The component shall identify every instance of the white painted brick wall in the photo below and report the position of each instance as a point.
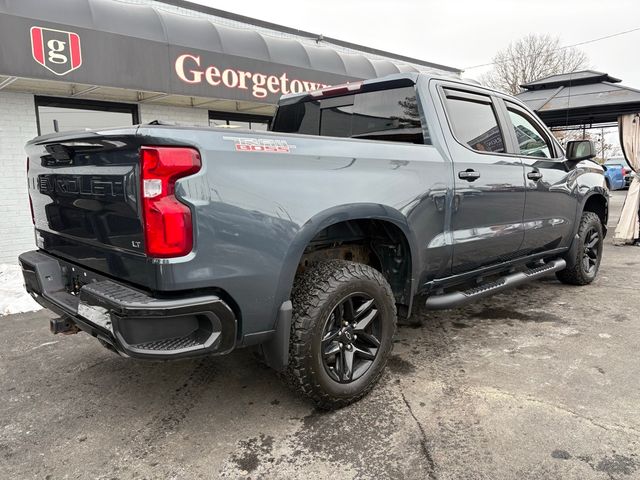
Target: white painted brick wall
(17, 125)
(181, 115)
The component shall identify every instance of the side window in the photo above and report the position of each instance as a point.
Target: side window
(532, 142)
(474, 121)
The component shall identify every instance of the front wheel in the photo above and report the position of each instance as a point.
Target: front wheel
(583, 264)
(344, 319)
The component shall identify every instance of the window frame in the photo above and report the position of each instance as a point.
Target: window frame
(81, 104)
(554, 148)
(471, 95)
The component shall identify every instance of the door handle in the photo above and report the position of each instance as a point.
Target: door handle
(469, 175)
(534, 175)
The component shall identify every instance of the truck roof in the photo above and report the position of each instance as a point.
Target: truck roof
(395, 80)
(388, 81)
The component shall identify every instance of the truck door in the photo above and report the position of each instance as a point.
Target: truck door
(487, 221)
(550, 206)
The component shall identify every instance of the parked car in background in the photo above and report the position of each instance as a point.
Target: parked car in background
(617, 173)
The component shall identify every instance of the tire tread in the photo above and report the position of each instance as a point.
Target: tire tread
(311, 291)
(573, 273)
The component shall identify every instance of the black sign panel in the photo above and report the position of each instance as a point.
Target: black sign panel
(44, 50)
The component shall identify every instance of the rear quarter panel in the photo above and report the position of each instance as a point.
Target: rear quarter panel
(256, 211)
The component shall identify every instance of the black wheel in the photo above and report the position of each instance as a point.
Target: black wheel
(583, 265)
(344, 319)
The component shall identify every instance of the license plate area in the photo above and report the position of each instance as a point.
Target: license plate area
(75, 278)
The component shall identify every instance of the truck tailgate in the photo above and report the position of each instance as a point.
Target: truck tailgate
(84, 190)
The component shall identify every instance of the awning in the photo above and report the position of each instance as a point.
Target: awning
(139, 47)
(580, 98)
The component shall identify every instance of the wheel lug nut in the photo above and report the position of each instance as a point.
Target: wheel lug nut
(355, 337)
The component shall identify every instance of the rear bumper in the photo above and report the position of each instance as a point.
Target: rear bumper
(134, 323)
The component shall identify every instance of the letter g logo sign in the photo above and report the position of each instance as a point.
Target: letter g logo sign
(56, 50)
(54, 47)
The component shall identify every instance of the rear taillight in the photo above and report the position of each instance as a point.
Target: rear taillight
(33, 217)
(167, 222)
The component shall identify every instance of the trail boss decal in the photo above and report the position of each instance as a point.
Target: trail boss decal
(56, 50)
(245, 144)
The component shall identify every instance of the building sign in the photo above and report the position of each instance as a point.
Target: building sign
(56, 50)
(191, 70)
(93, 56)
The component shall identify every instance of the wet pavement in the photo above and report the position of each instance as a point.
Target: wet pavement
(541, 382)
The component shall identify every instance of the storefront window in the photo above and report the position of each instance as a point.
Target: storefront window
(237, 120)
(62, 115)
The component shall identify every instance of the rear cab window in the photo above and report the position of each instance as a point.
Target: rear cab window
(384, 115)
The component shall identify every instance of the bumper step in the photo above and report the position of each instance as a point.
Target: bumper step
(463, 297)
(134, 322)
(169, 344)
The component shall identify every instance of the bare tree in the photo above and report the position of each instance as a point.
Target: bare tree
(531, 58)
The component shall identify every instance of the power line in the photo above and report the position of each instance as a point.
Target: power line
(565, 47)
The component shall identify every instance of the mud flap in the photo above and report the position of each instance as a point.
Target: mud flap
(276, 350)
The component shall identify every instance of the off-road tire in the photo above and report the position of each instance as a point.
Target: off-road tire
(316, 293)
(575, 272)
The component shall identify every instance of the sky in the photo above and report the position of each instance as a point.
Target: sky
(463, 33)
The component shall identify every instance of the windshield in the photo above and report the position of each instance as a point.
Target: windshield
(616, 161)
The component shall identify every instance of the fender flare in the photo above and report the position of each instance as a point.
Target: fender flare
(593, 191)
(332, 216)
(276, 349)
(599, 191)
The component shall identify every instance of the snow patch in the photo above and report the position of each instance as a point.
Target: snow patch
(13, 297)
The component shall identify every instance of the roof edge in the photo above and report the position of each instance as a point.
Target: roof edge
(596, 77)
(303, 33)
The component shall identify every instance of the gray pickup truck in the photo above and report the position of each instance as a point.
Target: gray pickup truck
(309, 241)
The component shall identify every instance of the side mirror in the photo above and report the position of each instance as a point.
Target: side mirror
(580, 150)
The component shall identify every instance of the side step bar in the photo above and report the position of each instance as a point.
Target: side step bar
(460, 298)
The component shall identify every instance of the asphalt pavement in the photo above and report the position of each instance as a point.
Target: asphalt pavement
(542, 382)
